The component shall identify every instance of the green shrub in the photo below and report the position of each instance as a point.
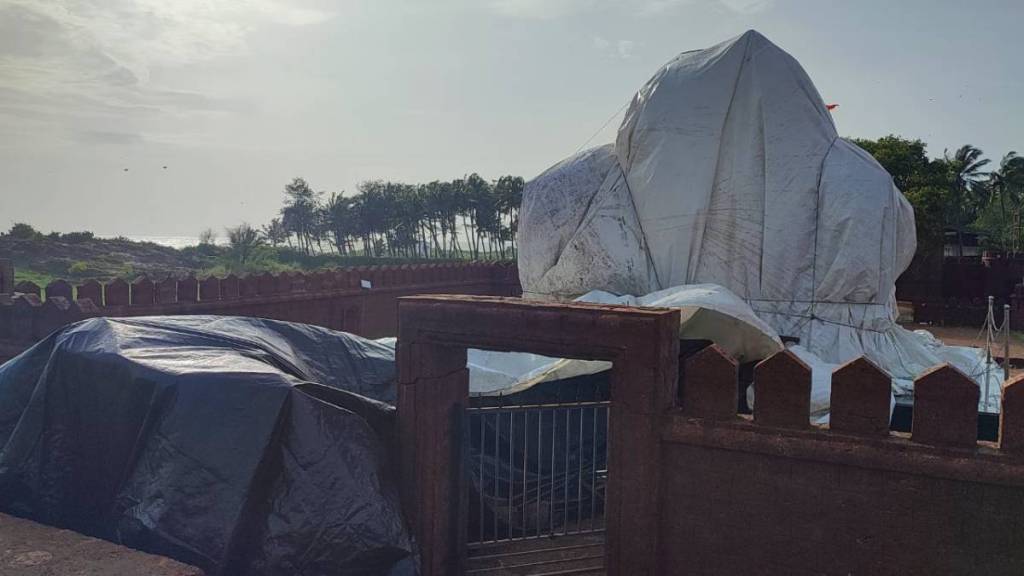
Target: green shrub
(77, 237)
(24, 231)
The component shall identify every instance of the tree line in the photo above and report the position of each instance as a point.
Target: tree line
(462, 218)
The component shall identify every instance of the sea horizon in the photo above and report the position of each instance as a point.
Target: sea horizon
(177, 242)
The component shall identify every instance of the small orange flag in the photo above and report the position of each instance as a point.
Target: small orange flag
(831, 107)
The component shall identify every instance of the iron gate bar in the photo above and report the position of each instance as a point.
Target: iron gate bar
(498, 490)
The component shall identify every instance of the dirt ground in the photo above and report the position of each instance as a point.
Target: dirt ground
(967, 336)
(31, 549)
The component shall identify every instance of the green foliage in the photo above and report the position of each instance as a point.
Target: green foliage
(929, 204)
(78, 268)
(906, 160)
(1001, 220)
(40, 279)
(245, 248)
(77, 237)
(24, 231)
(468, 217)
(201, 251)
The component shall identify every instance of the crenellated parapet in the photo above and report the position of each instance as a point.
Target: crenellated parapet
(358, 299)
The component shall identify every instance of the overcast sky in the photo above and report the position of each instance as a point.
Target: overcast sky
(238, 96)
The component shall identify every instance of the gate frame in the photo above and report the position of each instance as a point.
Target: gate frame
(433, 390)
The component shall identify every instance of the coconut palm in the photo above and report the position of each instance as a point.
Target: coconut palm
(966, 174)
(1007, 184)
(243, 242)
(509, 192)
(274, 232)
(339, 217)
(299, 215)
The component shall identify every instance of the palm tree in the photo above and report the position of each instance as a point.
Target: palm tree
(509, 192)
(275, 233)
(965, 167)
(243, 241)
(432, 198)
(339, 218)
(1007, 183)
(299, 216)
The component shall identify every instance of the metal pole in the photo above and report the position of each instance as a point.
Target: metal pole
(551, 498)
(989, 321)
(480, 474)
(526, 452)
(511, 468)
(593, 468)
(1006, 342)
(497, 458)
(579, 477)
(540, 467)
(565, 480)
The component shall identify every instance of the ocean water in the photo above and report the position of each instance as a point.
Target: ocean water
(172, 241)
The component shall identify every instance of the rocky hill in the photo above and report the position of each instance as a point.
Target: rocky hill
(79, 256)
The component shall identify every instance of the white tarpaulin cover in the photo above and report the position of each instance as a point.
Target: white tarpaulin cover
(707, 312)
(728, 170)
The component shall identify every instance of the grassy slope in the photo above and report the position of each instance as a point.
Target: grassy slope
(44, 259)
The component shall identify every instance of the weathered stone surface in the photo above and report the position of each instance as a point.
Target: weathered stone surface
(92, 290)
(1011, 417)
(117, 293)
(230, 287)
(248, 286)
(25, 287)
(332, 299)
(945, 408)
(53, 314)
(434, 332)
(24, 313)
(167, 290)
(209, 289)
(59, 288)
(31, 549)
(143, 292)
(6, 276)
(709, 387)
(782, 391)
(188, 289)
(860, 399)
(266, 283)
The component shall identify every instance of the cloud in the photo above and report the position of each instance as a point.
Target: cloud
(655, 7)
(625, 48)
(139, 34)
(89, 60)
(105, 137)
(746, 6)
(621, 48)
(540, 9)
(553, 9)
